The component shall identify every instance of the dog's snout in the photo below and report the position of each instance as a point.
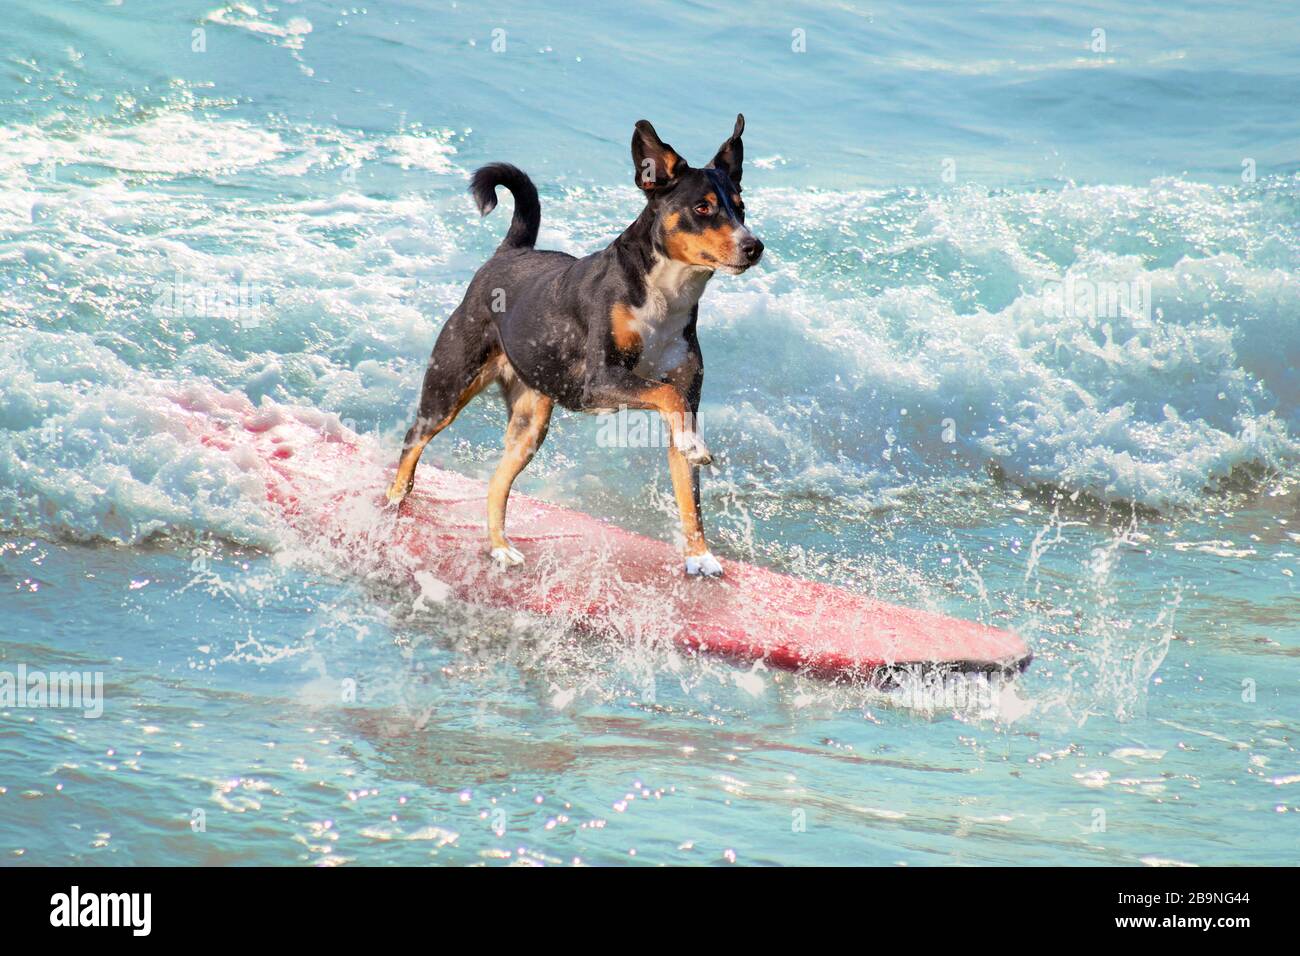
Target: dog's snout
(751, 249)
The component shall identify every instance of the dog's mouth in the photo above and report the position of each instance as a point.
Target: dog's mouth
(748, 252)
(737, 266)
(732, 267)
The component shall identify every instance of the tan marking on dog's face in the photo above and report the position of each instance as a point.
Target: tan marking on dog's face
(709, 247)
(622, 328)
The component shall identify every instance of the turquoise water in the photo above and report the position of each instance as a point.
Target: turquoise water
(911, 398)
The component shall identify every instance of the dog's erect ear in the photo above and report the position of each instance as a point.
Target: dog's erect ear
(657, 163)
(732, 153)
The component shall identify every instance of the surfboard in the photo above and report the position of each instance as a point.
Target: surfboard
(326, 484)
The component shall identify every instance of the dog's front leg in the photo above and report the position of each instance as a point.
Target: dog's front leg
(614, 386)
(688, 378)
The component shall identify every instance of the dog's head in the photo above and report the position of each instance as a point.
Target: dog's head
(699, 215)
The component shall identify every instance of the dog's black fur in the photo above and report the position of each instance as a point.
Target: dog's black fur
(614, 329)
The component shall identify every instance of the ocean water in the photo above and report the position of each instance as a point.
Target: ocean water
(1024, 348)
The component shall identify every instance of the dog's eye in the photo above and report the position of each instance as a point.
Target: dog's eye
(703, 208)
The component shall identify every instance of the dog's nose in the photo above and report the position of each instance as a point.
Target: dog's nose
(751, 249)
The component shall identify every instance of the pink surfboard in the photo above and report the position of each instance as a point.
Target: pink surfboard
(327, 484)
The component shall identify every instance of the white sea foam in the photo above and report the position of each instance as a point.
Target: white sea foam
(242, 16)
(91, 450)
(430, 150)
(174, 142)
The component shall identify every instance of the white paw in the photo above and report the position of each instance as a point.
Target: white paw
(705, 565)
(692, 446)
(507, 557)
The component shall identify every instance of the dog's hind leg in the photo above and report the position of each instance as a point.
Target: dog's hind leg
(466, 359)
(530, 417)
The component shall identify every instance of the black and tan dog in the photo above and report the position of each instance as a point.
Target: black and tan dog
(614, 329)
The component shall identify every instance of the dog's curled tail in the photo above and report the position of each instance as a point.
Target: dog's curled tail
(528, 210)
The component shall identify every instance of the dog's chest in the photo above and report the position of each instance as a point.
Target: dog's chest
(672, 292)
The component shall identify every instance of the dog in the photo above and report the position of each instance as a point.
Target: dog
(616, 329)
